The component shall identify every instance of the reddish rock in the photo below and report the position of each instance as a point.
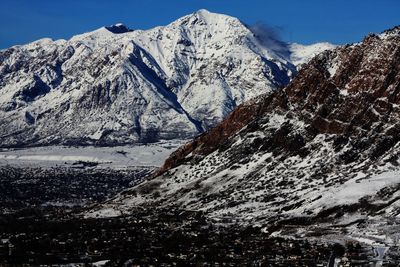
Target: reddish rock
(353, 91)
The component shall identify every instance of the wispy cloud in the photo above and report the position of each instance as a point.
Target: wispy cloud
(270, 37)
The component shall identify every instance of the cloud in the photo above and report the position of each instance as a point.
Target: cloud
(269, 37)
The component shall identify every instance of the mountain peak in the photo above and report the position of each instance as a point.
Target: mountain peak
(207, 17)
(118, 28)
(190, 71)
(203, 12)
(391, 32)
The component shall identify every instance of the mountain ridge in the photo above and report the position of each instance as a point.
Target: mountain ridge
(321, 154)
(134, 86)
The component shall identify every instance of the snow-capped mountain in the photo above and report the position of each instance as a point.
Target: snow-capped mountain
(322, 154)
(115, 85)
(302, 54)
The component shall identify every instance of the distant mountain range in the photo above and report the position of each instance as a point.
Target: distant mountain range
(117, 86)
(318, 158)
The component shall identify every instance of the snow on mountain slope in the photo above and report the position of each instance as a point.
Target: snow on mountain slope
(117, 86)
(322, 154)
(301, 54)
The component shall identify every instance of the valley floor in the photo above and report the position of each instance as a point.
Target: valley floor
(115, 157)
(165, 238)
(41, 224)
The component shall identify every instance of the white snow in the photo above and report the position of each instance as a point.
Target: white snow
(353, 190)
(332, 69)
(100, 263)
(301, 54)
(197, 68)
(151, 155)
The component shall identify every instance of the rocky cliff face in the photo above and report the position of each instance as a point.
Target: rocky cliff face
(115, 85)
(322, 153)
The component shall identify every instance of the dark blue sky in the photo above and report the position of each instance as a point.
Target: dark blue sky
(304, 21)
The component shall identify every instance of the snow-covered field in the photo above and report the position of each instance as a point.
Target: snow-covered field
(119, 157)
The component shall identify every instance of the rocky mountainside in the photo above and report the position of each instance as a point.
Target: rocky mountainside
(116, 85)
(322, 154)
